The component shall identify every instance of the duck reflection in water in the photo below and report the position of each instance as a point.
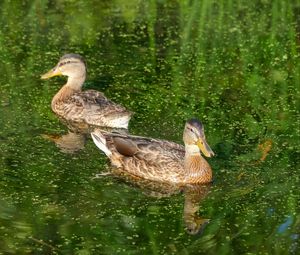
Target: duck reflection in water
(69, 143)
(76, 137)
(161, 161)
(194, 194)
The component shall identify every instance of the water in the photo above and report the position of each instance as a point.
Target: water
(233, 64)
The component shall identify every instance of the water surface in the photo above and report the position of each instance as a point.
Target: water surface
(232, 64)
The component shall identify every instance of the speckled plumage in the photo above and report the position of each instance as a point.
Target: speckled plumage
(90, 106)
(153, 159)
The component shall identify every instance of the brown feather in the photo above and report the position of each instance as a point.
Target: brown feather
(90, 106)
(157, 160)
(125, 147)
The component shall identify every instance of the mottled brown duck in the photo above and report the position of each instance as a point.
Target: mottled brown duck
(90, 107)
(160, 160)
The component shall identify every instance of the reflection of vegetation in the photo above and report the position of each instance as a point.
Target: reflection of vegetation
(234, 64)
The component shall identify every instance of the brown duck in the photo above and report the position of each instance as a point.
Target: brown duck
(90, 107)
(160, 160)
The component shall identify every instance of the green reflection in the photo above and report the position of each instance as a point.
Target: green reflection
(234, 64)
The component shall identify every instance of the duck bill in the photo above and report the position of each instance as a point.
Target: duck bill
(53, 72)
(204, 147)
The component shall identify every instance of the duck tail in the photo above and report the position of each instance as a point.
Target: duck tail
(100, 142)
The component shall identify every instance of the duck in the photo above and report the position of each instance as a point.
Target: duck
(160, 160)
(90, 107)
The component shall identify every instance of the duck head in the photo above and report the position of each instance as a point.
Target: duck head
(194, 138)
(71, 65)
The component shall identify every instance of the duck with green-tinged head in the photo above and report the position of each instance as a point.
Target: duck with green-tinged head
(90, 107)
(160, 160)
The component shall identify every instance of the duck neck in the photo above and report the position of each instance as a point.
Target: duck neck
(76, 82)
(196, 167)
(73, 85)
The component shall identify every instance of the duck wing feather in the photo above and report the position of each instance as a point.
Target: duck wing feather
(93, 107)
(153, 151)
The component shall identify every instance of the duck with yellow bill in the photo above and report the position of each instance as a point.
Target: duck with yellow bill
(90, 107)
(160, 160)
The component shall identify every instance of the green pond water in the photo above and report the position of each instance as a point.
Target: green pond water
(233, 64)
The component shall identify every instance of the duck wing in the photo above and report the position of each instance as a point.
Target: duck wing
(93, 101)
(94, 108)
(147, 149)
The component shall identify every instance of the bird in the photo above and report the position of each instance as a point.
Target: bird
(159, 160)
(89, 107)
